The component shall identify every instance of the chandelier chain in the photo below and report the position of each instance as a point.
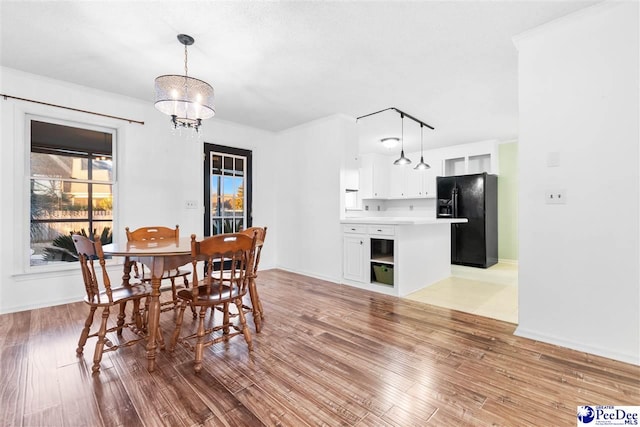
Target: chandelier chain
(185, 61)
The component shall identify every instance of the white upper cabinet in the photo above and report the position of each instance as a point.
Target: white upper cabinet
(374, 176)
(407, 183)
(381, 179)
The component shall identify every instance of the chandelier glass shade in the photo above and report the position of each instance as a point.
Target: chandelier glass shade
(186, 99)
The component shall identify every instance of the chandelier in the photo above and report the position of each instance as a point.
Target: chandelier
(187, 100)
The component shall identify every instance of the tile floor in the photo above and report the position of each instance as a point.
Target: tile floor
(491, 292)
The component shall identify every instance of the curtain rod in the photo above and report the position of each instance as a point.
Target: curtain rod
(402, 113)
(72, 109)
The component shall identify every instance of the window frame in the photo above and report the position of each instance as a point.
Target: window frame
(113, 130)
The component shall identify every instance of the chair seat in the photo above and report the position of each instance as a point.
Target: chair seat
(120, 294)
(214, 296)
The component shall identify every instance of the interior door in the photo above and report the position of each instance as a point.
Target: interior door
(227, 188)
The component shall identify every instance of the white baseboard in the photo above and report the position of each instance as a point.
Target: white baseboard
(508, 261)
(40, 304)
(310, 274)
(634, 359)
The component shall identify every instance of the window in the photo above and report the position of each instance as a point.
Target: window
(71, 188)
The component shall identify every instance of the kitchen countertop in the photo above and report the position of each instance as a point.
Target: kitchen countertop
(406, 220)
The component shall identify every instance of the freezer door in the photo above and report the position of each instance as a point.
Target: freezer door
(470, 196)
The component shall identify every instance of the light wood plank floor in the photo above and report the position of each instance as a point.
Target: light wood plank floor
(490, 292)
(328, 355)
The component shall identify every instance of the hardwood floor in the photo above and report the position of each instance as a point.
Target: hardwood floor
(327, 355)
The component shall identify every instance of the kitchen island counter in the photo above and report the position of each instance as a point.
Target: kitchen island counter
(402, 220)
(396, 255)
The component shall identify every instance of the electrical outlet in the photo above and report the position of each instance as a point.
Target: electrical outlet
(556, 197)
(191, 204)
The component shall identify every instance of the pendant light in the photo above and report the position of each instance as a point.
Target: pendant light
(187, 100)
(422, 165)
(402, 160)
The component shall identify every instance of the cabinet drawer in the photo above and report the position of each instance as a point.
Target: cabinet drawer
(382, 230)
(355, 228)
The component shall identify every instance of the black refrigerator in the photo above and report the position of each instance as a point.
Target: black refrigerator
(475, 197)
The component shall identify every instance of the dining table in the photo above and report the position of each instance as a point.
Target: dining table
(159, 256)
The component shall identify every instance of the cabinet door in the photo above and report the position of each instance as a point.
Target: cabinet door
(414, 183)
(354, 258)
(397, 181)
(365, 173)
(380, 176)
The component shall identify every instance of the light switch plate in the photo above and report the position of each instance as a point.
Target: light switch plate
(191, 204)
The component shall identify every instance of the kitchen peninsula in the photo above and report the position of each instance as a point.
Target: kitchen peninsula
(396, 255)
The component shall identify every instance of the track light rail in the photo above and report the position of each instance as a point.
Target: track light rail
(402, 114)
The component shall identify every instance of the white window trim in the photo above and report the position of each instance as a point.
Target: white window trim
(22, 201)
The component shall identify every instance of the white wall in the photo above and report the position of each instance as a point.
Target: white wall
(156, 172)
(579, 262)
(310, 197)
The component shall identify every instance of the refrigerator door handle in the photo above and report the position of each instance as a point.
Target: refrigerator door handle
(454, 202)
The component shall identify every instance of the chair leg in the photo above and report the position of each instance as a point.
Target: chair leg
(121, 317)
(255, 305)
(145, 315)
(186, 285)
(85, 331)
(136, 317)
(199, 350)
(243, 323)
(176, 331)
(97, 357)
(174, 292)
(225, 318)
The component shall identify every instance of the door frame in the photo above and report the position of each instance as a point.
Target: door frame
(208, 149)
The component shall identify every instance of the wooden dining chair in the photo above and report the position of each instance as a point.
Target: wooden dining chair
(100, 293)
(238, 251)
(256, 304)
(159, 233)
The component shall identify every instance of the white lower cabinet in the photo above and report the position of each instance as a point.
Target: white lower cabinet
(368, 255)
(396, 258)
(355, 257)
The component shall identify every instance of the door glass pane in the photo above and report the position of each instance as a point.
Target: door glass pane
(227, 193)
(216, 164)
(228, 165)
(216, 226)
(239, 166)
(215, 196)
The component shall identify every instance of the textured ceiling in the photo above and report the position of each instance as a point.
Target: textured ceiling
(275, 65)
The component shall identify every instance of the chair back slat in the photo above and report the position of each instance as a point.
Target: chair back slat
(88, 252)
